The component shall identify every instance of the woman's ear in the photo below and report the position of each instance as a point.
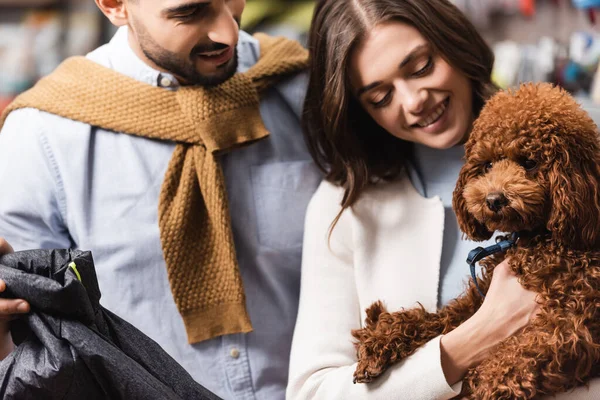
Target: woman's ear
(466, 221)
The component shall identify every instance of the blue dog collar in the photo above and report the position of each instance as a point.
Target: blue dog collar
(479, 253)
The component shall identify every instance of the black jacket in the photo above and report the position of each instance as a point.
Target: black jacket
(70, 347)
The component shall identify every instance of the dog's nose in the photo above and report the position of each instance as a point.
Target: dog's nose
(495, 201)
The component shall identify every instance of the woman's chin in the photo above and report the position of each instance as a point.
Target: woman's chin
(443, 141)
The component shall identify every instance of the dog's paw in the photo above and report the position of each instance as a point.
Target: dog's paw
(366, 372)
(373, 360)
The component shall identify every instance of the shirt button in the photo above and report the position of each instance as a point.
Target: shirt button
(234, 353)
(165, 82)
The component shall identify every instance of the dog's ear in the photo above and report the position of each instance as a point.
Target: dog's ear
(574, 186)
(466, 221)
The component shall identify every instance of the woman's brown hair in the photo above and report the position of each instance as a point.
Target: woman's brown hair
(344, 140)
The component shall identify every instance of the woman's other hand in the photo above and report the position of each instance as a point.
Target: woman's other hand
(507, 308)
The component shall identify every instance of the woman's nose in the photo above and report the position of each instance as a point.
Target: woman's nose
(413, 99)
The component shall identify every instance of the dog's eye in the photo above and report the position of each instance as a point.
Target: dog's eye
(528, 164)
(487, 166)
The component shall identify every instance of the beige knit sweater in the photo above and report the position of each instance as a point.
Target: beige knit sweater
(194, 220)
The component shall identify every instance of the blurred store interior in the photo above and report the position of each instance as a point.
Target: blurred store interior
(534, 40)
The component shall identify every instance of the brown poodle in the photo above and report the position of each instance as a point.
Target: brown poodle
(532, 167)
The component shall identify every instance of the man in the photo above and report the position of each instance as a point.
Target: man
(68, 183)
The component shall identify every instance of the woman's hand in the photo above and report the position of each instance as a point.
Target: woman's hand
(507, 308)
(9, 309)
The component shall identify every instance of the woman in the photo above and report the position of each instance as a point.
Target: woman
(395, 86)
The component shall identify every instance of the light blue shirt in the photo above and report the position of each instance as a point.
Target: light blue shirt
(438, 172)
(67, 184)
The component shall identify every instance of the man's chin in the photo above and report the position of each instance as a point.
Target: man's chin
(220, 77)
(215, 76)
(208, 80)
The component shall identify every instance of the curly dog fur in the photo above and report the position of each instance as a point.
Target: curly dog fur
(533, 167)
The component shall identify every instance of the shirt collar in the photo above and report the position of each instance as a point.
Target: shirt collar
(125, 61)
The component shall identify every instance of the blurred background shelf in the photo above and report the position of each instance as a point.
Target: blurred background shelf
(29, 3)
(551, 40)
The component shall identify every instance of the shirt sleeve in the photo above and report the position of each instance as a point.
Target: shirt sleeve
(31, 205)
(323, 357)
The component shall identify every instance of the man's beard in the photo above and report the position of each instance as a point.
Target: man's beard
(186, 68)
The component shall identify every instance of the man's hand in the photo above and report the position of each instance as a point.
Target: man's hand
(9, 309)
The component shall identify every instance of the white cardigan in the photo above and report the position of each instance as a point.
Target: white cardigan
(387, 247)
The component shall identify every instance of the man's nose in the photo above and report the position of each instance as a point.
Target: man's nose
(223, 27)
